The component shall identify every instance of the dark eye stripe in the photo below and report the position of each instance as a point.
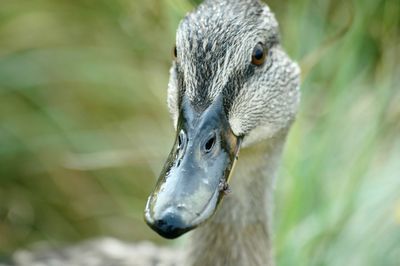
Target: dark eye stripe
(235, 84)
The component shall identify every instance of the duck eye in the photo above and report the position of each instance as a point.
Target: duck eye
(259, 54)
(175, 52)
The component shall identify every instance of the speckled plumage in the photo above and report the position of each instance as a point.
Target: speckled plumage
(214, 45)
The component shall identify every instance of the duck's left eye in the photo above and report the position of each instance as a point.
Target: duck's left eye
(259, 54)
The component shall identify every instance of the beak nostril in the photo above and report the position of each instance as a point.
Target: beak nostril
(209, 145)
(181, 139)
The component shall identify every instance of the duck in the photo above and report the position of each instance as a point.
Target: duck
(233, 95)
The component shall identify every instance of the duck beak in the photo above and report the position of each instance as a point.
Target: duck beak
(196, 174)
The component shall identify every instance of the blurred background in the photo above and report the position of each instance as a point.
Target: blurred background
(84, 128)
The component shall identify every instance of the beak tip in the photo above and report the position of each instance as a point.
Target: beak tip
(170, 226)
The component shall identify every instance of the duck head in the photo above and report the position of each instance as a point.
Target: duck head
(231, 85)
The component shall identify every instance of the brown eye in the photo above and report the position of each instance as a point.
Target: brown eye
(174, 52)
(259, 54)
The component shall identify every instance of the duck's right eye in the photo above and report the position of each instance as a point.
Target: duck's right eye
(175, 52)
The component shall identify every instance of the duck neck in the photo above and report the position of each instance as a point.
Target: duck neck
(239, 233)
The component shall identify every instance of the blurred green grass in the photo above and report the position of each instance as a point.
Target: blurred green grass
(84, 127)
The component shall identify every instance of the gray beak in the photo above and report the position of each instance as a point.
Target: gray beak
(194, 178)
